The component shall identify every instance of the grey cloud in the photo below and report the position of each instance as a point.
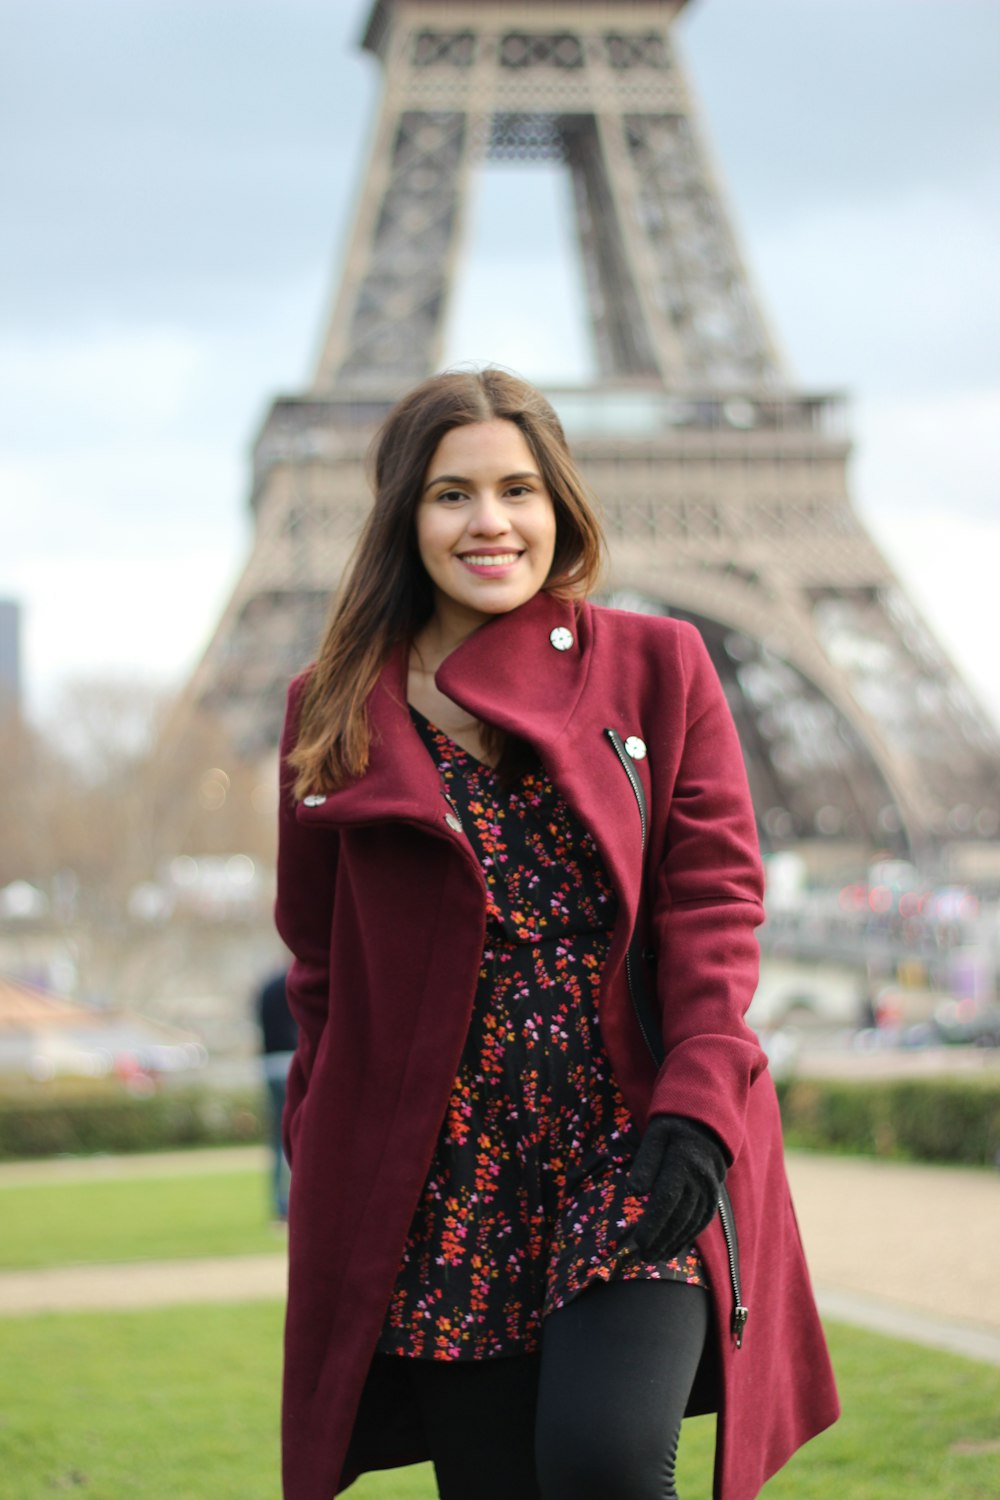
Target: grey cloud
(163, 158)
(855, 101)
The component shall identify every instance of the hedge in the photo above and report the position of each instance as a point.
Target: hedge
(953, 1120)
(82, 1126)
(930, 1119)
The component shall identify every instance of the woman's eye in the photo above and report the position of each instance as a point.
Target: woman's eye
(451, 495)
(517, 490)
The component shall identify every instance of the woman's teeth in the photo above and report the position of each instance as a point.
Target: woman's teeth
(489, 560)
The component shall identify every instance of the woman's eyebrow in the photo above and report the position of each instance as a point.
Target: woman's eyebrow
(444, 479)
(461, 479)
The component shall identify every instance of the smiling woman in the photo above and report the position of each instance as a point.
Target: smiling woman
(529, 1210)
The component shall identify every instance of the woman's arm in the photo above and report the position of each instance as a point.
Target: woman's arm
(708, 900)
(303, 915)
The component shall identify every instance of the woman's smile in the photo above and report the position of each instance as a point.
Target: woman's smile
(489, 562)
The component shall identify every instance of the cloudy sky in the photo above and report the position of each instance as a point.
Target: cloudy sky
(177, 179)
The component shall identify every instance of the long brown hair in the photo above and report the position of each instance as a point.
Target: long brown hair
(386, 595)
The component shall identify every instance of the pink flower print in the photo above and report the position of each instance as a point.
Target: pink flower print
(524, 1203)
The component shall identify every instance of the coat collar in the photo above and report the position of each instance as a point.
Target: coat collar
(508, 672)
(524, 670)
(512, 672)
(401, 783)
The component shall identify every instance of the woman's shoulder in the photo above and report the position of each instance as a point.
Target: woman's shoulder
(626, 627)
(301, 680)
(655, 656)
(294, 701)
(298, 688)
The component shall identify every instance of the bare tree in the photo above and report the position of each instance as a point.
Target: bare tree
(99, 802)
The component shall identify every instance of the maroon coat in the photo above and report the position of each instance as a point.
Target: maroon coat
(383, 904)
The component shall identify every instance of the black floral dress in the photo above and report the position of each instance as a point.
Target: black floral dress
(527, 1201)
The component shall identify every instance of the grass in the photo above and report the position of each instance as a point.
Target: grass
(176, 1403)
(181, 1404)
(140, 1218)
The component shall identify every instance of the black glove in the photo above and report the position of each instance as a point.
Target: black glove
(681, 1165)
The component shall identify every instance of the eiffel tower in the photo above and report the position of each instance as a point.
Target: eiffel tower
(723, 485)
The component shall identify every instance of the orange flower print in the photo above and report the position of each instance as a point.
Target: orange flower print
(526, 1202)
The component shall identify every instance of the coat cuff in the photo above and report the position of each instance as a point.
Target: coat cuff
(708, 1079)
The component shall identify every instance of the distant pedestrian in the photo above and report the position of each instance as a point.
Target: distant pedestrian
(279, 1035)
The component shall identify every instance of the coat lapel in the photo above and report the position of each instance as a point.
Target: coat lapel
(536, 673)
(524, 670)
(401, 783)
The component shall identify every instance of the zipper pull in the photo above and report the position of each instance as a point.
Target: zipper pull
(452, 818)
(740, 1315)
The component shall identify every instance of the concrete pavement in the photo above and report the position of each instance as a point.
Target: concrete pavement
(904, 1248)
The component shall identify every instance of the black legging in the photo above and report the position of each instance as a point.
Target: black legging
(595, 1416)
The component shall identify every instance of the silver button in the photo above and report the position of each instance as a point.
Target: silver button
(635, 747)
(455, 824)
(315, 799)
(561, 638)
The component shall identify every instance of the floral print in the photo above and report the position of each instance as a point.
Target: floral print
(526, 1202)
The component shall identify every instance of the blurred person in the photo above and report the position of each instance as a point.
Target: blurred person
(507, 1252)
(278, 1037)
(867, 1018)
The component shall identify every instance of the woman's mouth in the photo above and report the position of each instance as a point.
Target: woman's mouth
(490, 563)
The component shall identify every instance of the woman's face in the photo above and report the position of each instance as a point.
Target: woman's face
(485, 523)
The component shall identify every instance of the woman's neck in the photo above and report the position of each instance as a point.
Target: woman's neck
(440, 637)
(437, 640)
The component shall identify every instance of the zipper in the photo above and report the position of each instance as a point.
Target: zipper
(741, 1312)
(641, 1015)
(727, 1219)
(633, 776)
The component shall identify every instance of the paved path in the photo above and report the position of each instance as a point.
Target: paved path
(907, 1250)
(148, 1283)
(904, 1249)
(139, 1164)
(927, 1238)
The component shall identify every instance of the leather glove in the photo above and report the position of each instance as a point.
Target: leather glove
(681, 1165)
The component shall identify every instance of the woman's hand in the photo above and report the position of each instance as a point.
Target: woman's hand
(681, 1165)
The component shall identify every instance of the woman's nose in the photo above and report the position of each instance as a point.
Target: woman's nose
(490, 517)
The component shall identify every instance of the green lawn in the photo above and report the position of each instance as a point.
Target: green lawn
(181, 1404)
(135, 1218)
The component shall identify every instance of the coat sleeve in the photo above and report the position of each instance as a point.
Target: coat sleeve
(707, 902)
(303, 914)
